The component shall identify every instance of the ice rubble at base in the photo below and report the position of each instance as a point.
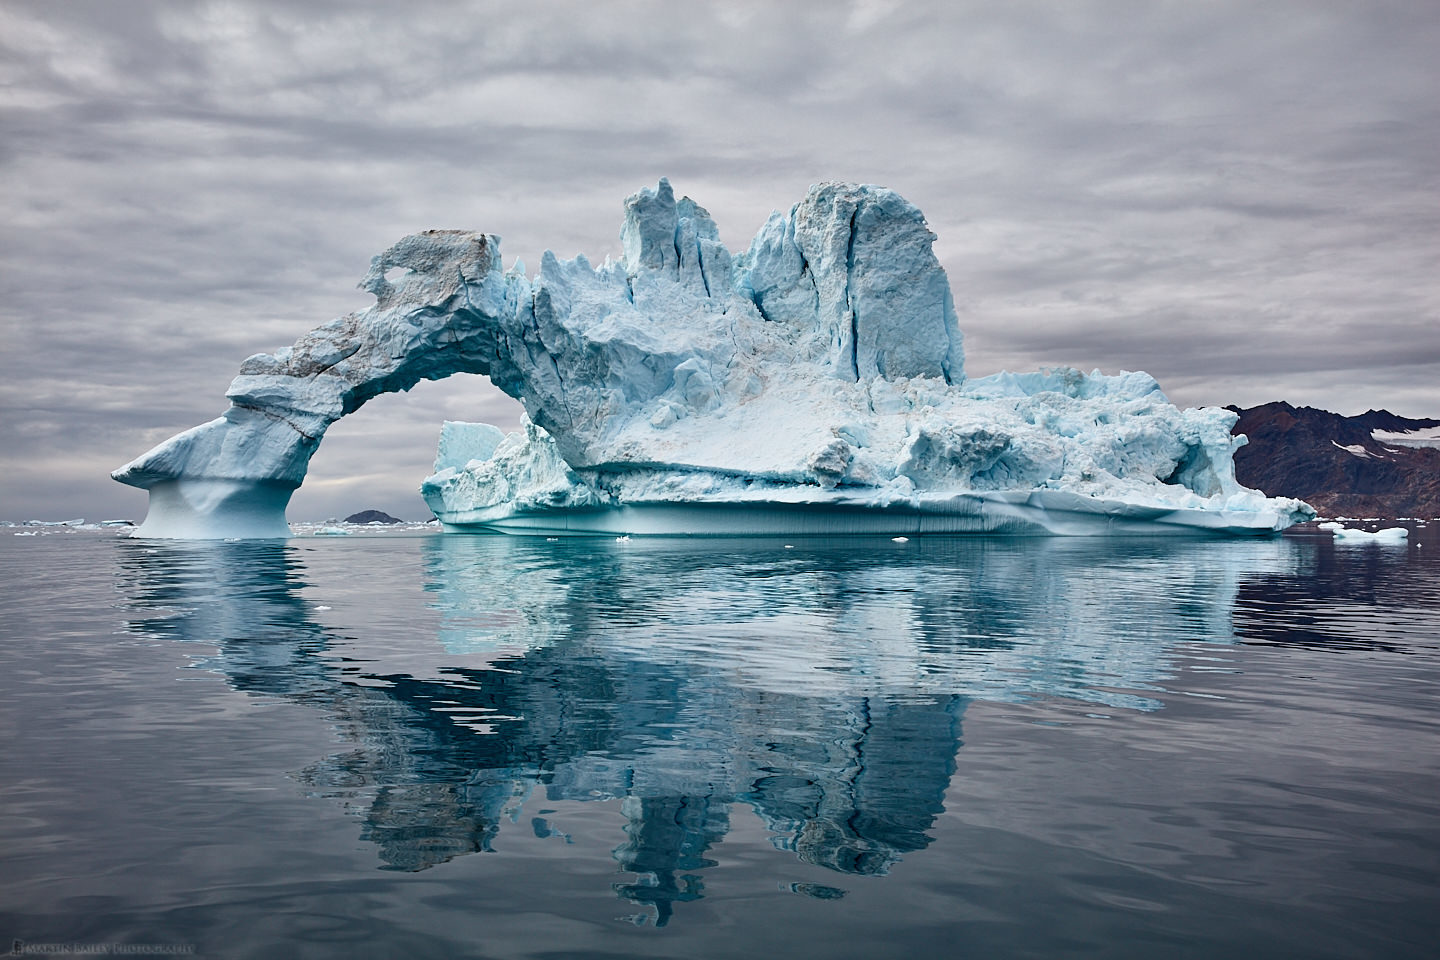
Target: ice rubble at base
(812, 384)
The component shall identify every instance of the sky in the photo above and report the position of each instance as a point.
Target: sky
(1242, 199)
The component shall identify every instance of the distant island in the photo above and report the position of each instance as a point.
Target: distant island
(372, 516)
(1376, 464)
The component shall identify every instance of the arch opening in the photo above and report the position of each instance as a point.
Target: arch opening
(376, 458)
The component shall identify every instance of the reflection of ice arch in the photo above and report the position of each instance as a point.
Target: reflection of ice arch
(243, 598)
(821, 687)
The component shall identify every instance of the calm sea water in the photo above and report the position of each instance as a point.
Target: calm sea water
(444, 746)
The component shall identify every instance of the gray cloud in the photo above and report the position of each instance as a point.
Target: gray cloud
(1240, 198)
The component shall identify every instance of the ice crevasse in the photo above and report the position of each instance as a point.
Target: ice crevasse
(813, 384)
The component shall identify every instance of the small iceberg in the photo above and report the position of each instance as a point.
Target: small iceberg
(1352, 535)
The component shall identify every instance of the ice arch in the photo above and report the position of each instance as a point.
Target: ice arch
(847, 281)
(444, 313)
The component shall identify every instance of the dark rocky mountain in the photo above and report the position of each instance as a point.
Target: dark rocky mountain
(372, 516)
(1335, 464)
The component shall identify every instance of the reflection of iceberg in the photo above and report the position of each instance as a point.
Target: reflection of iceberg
(813, 384)
(666, 838)
(496, 607)
(995, 620)
(821, 687)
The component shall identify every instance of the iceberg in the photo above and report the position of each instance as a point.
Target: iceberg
(813, 384)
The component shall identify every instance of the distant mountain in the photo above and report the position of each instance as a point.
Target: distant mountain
(371, 516)
(1373, 465)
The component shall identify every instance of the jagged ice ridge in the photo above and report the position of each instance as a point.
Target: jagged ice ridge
(813, 384)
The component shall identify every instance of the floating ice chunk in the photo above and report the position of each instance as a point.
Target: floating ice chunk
(900, 539)
(1388, 535)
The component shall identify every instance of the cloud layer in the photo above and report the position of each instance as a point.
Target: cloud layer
(1242, 199)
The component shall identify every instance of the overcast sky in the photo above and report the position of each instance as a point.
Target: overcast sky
(1241, 198)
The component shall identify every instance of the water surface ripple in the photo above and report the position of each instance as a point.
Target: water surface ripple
(505, 747)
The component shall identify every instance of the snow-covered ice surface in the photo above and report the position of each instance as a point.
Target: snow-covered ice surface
(1354, 449)
(812, 384)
